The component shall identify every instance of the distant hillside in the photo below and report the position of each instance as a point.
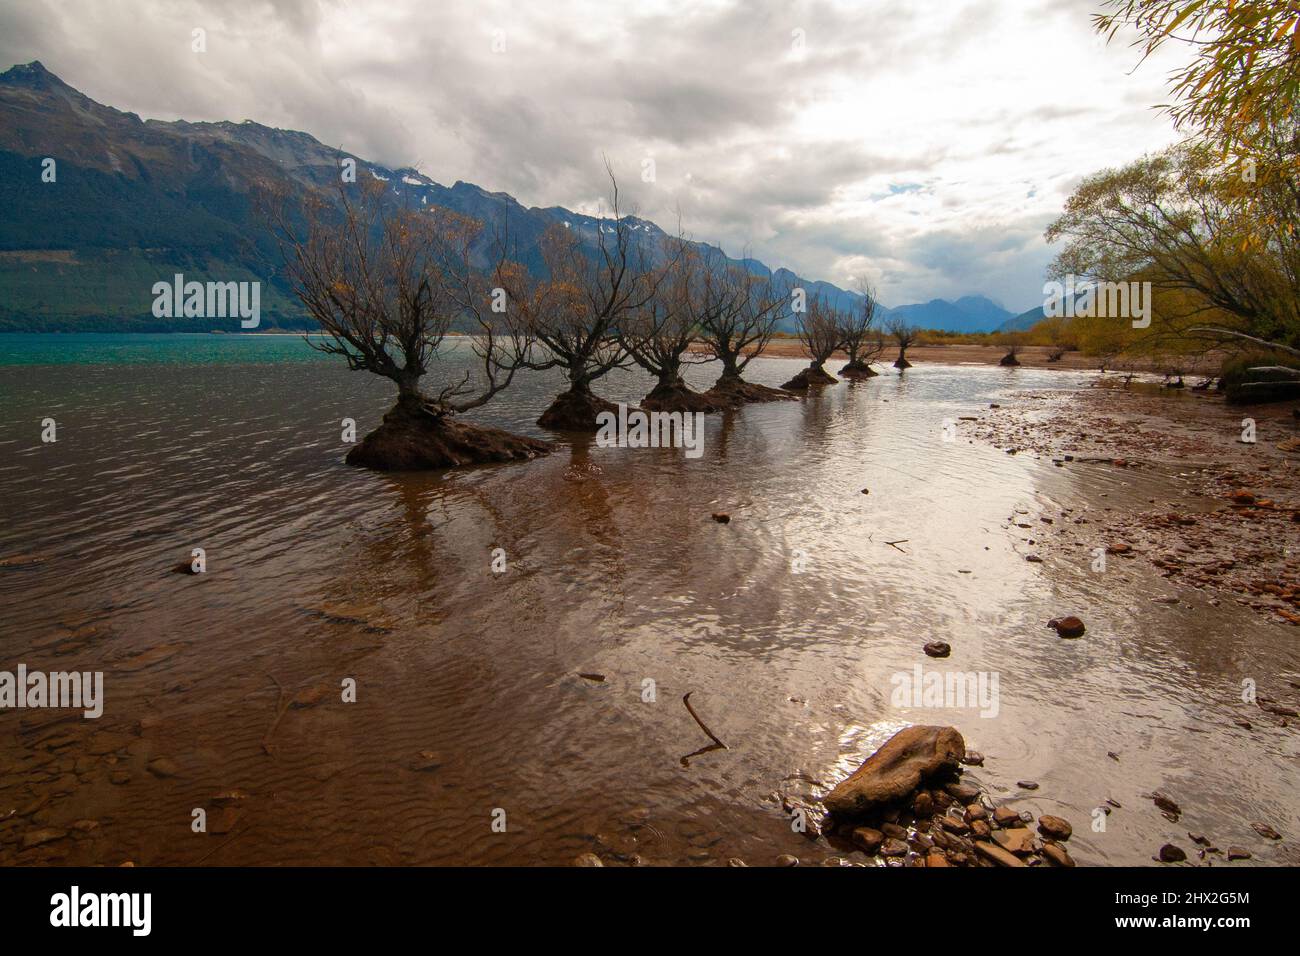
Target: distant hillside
(972, 313)
(1024, 321)
(137, 201)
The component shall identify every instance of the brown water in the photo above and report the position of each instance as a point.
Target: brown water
(468, 694)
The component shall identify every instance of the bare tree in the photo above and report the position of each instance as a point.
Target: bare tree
(659, 336)
(1014, 343)
(821, 330)
(736, 313)
(862, 339)
(386, 284)
(905, 335)
(576, 312)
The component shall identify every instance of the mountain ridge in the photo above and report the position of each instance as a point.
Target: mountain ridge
(176, 195)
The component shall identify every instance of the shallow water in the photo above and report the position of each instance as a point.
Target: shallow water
(786, 626)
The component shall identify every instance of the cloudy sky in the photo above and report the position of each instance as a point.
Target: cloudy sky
(922, 144)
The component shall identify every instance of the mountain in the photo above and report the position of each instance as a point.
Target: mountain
(1024, 321)
(972, 313)
(135, 201)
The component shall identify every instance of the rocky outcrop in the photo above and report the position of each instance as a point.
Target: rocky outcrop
(907, 760)
(575, 411)
(412, 438)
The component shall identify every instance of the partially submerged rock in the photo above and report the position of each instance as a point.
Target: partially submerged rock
(1067, 626)
(909, 758)
(411, 438)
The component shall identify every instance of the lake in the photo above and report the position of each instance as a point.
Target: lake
(789, 626)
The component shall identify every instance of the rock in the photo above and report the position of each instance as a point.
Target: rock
(679, 397)
(163, 767)
(954, 824)
(1119, 547)
(223, 821)
(938, 649)
(119, 777)
(1171, 854)
(1026, 785)
(721, 518)
(1019, 841)
(309, 697)
(425, 761)
(868, 838)
(1242, 497)
(964, 792)
(976, 811)
(935, 858)
(1006, 817)
(410, 438)
(923, 804)
(1166, 804)
(40, 837)
(734, 861)
(1266, 831)
(973, 759)
(995, 853)
(1054, 827)
(785, 859)
(1057, 854)
(893, 848)
(229, 798)
(589, 859)
(594, 678)
(1238, 853)
(1067, 626)
(909, 758)
(980, 830)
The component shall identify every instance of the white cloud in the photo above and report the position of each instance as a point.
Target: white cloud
(926, 144)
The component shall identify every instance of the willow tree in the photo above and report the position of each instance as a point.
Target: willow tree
(596, 280)
(905, 335)
(737, 313)
(1171, 220)
(861, 337)
(386, 285)
(658, 336)
(821, 332)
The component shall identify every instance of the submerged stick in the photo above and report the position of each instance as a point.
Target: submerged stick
(716, 745)
(281, 708)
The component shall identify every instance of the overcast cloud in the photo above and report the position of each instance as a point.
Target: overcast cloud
(925, 145)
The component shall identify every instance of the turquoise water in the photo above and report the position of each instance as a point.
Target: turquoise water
(159, 348)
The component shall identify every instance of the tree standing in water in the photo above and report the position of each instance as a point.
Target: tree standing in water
(905, 335)
(658, 337)
(736, 313)
(862, 339)
(386, 284)
(576, 312)
(821, 330)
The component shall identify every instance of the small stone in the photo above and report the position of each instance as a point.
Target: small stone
(721, 518)
(893, 848)
(923, 804)
(991, 851)
(1057, 854)
(40, 837)
(589, 859)
(1266, 831)
(734, 861)
(1006, 817)
(868, 838)
(1171, 854)
(938, 649)
(228, 798)
(1026, 785)
(163, 767)
(964, 792)
(119, 777)
(935, 858)
(1054, 827)
(224, 821)
(973, 759)
(1067, 626)
(1019, 841)
(1238, 853)
(980, 830)
(786, 860)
